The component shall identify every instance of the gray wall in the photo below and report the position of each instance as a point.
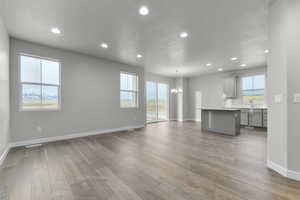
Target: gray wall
(211, 87)
(90, 96)
(182, 99)
(277, 85)
(284, 73)
(4, 87)
(293, 85)
(171, 82)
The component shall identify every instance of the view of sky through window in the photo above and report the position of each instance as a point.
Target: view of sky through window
(40, 80)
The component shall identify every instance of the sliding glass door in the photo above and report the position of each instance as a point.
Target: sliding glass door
(157, 101)
(162, 101)
(151, 101)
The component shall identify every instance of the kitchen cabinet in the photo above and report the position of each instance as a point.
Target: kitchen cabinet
(229, 87)
(255, 118)
(244, 117)
(265, 118)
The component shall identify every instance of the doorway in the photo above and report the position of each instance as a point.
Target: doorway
(198, 105)
(157, 96)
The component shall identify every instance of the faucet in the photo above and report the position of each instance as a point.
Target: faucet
(251, 103)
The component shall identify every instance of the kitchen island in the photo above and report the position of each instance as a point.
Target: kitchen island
(221, 120)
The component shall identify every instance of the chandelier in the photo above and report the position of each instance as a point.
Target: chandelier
(176, 90)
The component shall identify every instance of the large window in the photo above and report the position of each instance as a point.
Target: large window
(128, 90)
(253, 88)
(40, 83)
(157, 101)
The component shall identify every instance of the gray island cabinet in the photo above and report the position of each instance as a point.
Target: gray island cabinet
(221, 120)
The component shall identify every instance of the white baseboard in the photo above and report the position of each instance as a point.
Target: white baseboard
(64, 137)
(59, 138)
(4, 154)
(154, 122)
(71, 136)
(188, 119)
(277, 168)
(293, 175)
(283, 171)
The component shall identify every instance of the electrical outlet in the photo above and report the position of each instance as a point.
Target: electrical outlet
(278, 98)
(297, 98)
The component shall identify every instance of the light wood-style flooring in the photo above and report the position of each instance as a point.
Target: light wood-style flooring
(164, 161)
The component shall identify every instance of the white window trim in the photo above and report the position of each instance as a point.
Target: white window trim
(264, 89)
(133, 91)
(20, 83)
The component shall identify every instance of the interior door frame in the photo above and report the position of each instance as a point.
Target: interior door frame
(197, 107)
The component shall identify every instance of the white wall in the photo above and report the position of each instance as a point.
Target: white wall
(90, 95)
(4, 88)
(211, 87)
(167, 80)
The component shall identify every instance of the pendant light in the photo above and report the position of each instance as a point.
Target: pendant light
(176, 90)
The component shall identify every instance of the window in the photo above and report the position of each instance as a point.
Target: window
(40, 83)
(253, 88)
(128, 90)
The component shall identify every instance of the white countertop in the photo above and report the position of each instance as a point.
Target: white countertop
(221, 109)
(248, 107)
(231, 108)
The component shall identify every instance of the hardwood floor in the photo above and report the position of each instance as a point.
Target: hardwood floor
(165, 161)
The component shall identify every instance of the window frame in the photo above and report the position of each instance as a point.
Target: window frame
(132, 91)
(20, 85)
(264, 89)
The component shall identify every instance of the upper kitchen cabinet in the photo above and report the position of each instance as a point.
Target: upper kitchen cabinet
(230, 87)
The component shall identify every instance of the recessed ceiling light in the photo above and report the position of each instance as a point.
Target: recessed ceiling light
(266, 51)
(243, 65)
(144, 10)
(208, 64)
(184, 34)
(104, 45)
(220, 69)
(139, 56)
(55, 30)
(234, 58)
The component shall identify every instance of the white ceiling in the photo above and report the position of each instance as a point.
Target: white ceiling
(218, 30)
